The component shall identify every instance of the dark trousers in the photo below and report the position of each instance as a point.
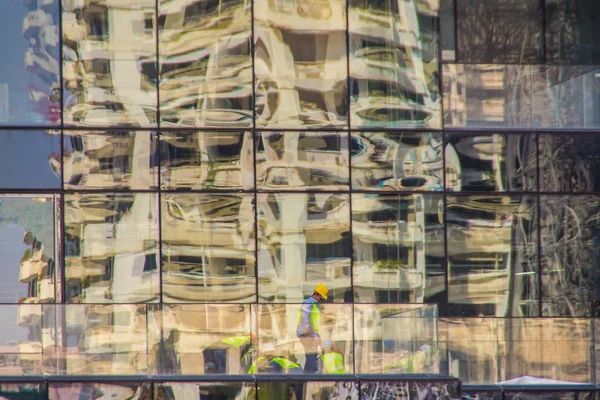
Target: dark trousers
(310, 344)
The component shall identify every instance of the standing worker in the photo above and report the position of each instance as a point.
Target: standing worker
(309, 322)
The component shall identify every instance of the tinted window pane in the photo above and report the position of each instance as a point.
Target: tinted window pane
(569, 232)
(29, 81)
(193, 339)
(398, 248)
(397, 161)
(547, 395)
(109, 63)
(23, 391)
(110, 160)
(308, 390)
(500, 31)
(492, 255)
(21, 350)
(394, 64)
(291, 160)
(496, 162)
(204, 391)
(28, 248)
(300, 64)
(414, 390)
(111, 255)
(96, 339)
(208, 248)
(571, 31)
(85, 390)
(206, 160)
(281, 350)
(205, 63)
(487, 96)
(303, 240)
(570, 163)
(395, 339)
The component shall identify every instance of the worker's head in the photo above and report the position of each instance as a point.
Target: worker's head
(327, 346)
(320, 292)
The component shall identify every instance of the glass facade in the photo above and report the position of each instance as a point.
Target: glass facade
(195, 168)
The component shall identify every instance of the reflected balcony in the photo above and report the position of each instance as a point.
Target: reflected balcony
(29, 315)
(46, 289)
(30, 269)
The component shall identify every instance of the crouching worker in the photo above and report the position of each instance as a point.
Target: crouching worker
(231, 350)
(332, 360)
(269, 363)
(417, 363)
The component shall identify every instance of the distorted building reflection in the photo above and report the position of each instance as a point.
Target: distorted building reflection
(109, 63)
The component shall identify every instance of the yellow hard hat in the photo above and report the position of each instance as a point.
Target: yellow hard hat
(322, 290)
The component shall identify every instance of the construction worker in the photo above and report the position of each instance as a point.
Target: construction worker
(309, 321)
(268, 362)
(332, 361)
(415, 364)
(215, 356)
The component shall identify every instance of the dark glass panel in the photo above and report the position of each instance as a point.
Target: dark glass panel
(417, 390)
(499, 31)
(99, 390)
(110, 160)
(486, 95)
(206, 160)
(571, 31)
(570, 231)
(393, 161)
(204, 391)
(109, 63)
(570, 163)
(208, 248)
(491, 162)
(303, 240)
(394, 64)
(205, 63)
(346, 390)
(300, 64)
(111, 255)
(398, 248)
(492, 255)
(292, 160)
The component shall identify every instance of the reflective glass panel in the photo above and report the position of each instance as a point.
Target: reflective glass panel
(110, 160)
(553, 348)
(492, 255)
(29, 81)
(205, 63)
(397, 161)
(109, 63)
(300, 63)
(417, 390)
(23, 391)
(29, 159)
(28, 248)
(395, 339)
(499, 32)
(100, 390)
(292, 160)
(208, 248)
(570, 163)
(398, 248)
(81, 339)
(473, 349)
(346, 390)
(111, 247)
(303, 241)
(491, 162)
(540, 395)
(285, 348)
(570, 230)
(204, 391)
(21, 338)
(206, 160)
(566, 97)
(571, 31)
(468, 394)
(394, 70)
(193, 339)
(482, 95)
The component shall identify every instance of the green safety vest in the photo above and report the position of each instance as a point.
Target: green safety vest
(283, 362)
(333, 363)
(236, 341)
(314, 318)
